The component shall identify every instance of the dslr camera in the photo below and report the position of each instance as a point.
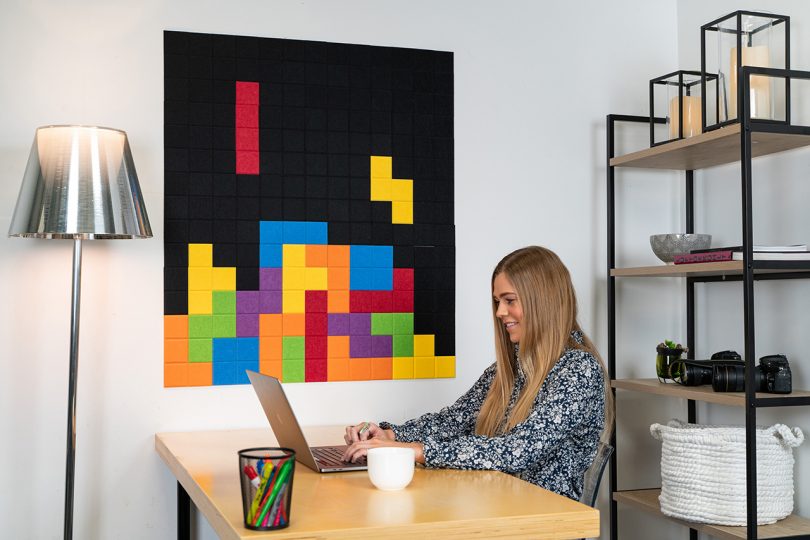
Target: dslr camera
(726, 373)
(772, 376)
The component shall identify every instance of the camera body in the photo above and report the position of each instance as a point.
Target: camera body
(772, 376)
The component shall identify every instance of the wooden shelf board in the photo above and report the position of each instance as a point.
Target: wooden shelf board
(715, 147)
(647, 500)
(724, 268)
(698, 393)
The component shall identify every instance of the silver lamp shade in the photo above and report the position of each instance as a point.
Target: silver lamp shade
(80, 183)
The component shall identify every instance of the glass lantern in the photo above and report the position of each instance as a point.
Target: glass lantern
(676, 97)
(744, 38)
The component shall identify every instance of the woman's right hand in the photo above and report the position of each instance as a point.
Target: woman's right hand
(371, 431)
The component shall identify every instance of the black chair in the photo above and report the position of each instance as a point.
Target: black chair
(593, 476)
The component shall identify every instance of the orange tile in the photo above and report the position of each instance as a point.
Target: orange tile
(271, 367)
(293, 324)
(382, 368)
(338, 256)
(359, 369)
(337, 301)
(175, 350)
(337, 369)
(270, 324)
(175, 326)
(337, 346)
(337, 279)
(317, 255)
(175, 375)
(269, 348)
(200, 374)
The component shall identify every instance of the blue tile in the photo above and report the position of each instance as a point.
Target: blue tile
(382, 279)
(317, 232)
(224, 373)
(224, 350)
(247, 349)
(270, 232)
(270, 255)
(371, 256)
(361, 279)
(242, 367)
(294, 232)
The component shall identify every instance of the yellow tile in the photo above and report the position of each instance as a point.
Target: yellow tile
(423, 345)
(199, 278)
(381, 189)
(424, 367)
(382, 167)
(223, 279)
(446, 366)
(294, 255)
(293, 278)
(402, 190)
(315, 279)
(200, 302)
(200, 255)
(293, 302)
(403, 368)
(402, 212)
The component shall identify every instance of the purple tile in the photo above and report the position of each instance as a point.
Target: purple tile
(338, 324)
(247, 301)
(247, 325)
(360, 324)
(269, 301)
(381, 346)
(270, 279)
(360, 347)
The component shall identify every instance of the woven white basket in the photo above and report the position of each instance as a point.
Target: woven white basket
(703, 472)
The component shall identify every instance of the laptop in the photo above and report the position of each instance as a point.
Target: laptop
(325, 459)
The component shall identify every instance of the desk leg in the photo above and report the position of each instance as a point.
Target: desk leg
(183, 514)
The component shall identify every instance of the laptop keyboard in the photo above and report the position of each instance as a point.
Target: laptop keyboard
(332, 456)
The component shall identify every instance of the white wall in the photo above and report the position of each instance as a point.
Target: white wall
(533, 84)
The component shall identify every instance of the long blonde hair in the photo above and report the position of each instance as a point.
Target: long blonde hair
(547, 298)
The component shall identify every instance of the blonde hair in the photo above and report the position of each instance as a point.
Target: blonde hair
(547, 298)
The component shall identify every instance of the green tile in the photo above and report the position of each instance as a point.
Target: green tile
(200, 326)
(200, 350)
(403, 346)
(403, 324)
(224, 302)
(292, 371)
(292, 348)
(382, 324)
(224, 326)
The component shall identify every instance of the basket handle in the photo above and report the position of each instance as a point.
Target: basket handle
(790, 437)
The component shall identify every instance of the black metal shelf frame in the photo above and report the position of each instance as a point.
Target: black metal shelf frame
(748, 276)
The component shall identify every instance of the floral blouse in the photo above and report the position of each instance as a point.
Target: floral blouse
(551, 448)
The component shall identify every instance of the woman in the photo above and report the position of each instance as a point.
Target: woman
(536, 413)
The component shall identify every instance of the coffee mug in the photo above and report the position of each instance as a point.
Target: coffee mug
(391, 468)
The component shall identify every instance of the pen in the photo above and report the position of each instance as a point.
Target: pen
(363, 429)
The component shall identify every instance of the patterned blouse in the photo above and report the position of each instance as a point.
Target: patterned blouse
(551, 448)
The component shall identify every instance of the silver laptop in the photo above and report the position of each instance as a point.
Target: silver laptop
(323, 459)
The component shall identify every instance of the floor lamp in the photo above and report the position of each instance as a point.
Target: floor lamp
(80, 184)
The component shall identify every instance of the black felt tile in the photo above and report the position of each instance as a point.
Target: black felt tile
(200, 160)
(175, 42)
(337, 98)
(361, 233)
(271, 117)
(224, 232)
(223, 69)
(340, 233)
(271, 162)
(360, 121)
(360, 188)
(294, 186)
(271, 49)
(222, 138)
(317, 96)
(295, 95)
(272, 209)
(201, 207)
(271, 140)
(381, 100)
(339, 210)
(247, 208)
(380, 144)
(317, 209)
(247, 278)
(423, 323)
(247, 47)
(271, 73)
(200, 114)
(295, 209)
(247, 231)
(200, 231)
(176, 159)
(224, 185)
(360, 99)
(175, 255)
(338, 75)
(247, 69)
(175, 112)
(175, 183)
(199, 44)
(200, 137)
(382, 234)
(223, 46)
(360, 143)
(225, 208)
(425, 257)
(248, 185)
(402, 79)
(271, 185)
(294, 140)
(316, 142)
(200, 90)
(445, 343)
(423, 124)
(175, 303)
(403, 254)
(317, 186)
(295, 163)
(316, 74)
(359, 76)
(176, 231)
(222, 115)
(338, 165)
(223, 161)
(402, 145)
(403, 167)
(339, 188)
(337, 142)
(338, 120)
(176, 65)
(175, 89)
(360, 210)
(247, 255)
(380, 212)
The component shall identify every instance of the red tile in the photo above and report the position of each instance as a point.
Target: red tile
(316, 301)
(403, 279)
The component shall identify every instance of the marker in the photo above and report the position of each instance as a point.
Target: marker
(251, 473)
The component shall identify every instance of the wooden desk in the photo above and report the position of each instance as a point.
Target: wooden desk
(438, 503)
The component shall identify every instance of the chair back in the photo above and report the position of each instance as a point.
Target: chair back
(593, 476)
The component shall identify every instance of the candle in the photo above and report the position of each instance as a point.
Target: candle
(760, 96)
(692, 124)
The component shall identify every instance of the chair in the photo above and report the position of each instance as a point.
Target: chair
(593, 476)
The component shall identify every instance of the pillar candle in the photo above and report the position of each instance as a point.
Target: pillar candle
(692, 124)
(760, 96)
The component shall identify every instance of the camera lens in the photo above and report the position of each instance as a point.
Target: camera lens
(728, 378)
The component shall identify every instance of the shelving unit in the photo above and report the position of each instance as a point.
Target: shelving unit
(740, 143)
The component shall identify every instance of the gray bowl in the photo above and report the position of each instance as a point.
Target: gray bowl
(666, 246)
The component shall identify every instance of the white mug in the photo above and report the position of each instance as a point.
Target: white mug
(390, 468)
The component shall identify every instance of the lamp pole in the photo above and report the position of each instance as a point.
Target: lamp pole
(70, 464)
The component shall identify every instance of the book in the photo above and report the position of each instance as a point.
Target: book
(793, 248)
(710, 256)
(775, 255)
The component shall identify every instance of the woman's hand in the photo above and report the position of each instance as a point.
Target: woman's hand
(367, 430)
(360, 448)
